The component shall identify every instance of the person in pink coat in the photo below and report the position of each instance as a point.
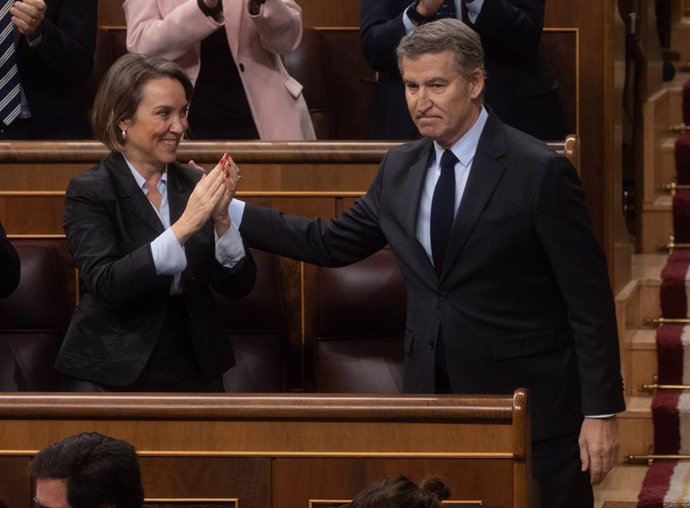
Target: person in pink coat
(230, 49)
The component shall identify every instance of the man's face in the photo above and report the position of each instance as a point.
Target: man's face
(443, 103)
(51, 493)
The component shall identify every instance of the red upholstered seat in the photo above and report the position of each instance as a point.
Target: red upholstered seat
(257, 327)
(682, 153)
(359, 327)
(33, 320)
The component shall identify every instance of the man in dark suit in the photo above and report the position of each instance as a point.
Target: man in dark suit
(518, 89)
(54, 45)
(506, 284)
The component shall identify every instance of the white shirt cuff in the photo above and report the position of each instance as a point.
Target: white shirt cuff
(229, 247)
(169, 256)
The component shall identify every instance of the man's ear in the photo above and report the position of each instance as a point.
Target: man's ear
(476, 84)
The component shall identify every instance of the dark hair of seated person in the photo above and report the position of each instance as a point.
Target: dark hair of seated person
(400, 492)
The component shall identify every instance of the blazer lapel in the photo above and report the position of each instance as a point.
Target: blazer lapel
(411, 193)
(233, 19)
(131, 196)
(484, 176)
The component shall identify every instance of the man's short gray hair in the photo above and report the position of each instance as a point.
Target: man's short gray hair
(448, 34)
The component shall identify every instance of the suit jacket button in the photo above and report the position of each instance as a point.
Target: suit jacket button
(430, 343)
(443, 296)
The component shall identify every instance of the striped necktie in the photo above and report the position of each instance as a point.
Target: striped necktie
(447, 10)
(10, 100)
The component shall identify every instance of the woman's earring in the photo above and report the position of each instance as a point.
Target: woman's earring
(124, 134)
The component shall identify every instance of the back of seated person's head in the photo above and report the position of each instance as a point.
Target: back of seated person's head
(400, 492)
(88, 470)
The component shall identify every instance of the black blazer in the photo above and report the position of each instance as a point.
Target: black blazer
(518, 89)
(52, 73)
(10, 266)
(109, 224)
(524, 297)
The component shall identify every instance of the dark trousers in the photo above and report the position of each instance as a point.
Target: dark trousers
(556, 468)
(171, 367)
(555, 464)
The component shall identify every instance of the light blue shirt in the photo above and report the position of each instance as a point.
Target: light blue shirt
(169, 256)
(473, 10)
(464, 149)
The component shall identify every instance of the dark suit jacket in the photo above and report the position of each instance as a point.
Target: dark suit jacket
(524, 297)
(53, 72)
(519, 91)
(109, 224)
(10, 266)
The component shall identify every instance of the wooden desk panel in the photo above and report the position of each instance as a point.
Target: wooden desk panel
(286, 448)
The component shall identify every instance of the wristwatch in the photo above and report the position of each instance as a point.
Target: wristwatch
(415, 17)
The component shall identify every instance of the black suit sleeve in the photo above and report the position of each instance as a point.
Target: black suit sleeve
(352, 236)
(511, 30)
(381, 28)
(115, 279)
(237, 281)
(68, 41)
(9, 265)
(565, 232)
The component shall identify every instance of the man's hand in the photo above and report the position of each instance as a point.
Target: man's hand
(27, 16)
(599, 445)
(428, 8)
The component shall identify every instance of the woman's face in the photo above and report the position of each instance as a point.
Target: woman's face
(155, 131)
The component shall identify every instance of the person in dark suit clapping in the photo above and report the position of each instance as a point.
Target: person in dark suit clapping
(150, 238)
(518, 89)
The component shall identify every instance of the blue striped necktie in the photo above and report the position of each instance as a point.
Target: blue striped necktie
(10, 100)
(447, 10)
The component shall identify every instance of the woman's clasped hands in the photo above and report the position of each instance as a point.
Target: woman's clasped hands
(209, 200)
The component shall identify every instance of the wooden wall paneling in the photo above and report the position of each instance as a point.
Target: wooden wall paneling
(15, 486)
(220, 445)
(596, 24)
(320, 482)
(172, 478)
(110, 13)
(622, 242)
(330, 12)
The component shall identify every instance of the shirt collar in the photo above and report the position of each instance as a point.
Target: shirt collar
(465, 147)
(141, 181)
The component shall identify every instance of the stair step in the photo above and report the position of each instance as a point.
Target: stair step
(620, 487)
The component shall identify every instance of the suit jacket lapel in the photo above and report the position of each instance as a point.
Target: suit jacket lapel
(484, 175)
(233, 19)
(131, 196)
(412, 192)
